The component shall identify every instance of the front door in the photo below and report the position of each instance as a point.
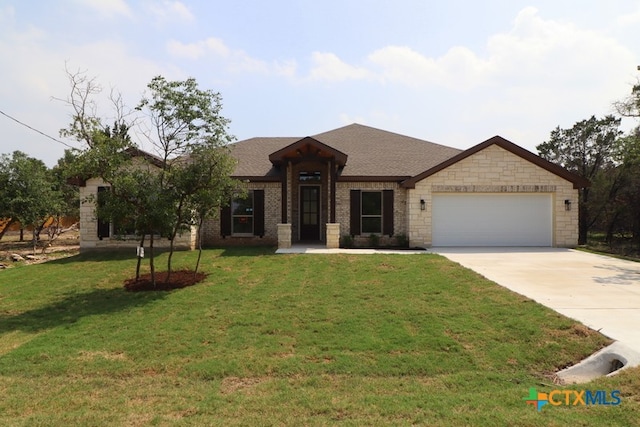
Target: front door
(309, 212)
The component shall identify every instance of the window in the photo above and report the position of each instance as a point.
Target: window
(309, 176)
(104, 227)
(123, 226)
(242, 215)
(371, 212)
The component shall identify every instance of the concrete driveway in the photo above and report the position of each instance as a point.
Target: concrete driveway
(599, 291)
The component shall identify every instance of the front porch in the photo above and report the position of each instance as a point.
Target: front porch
(308, 172)
(332, 237)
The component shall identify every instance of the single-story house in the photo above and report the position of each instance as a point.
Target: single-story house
(367, 183)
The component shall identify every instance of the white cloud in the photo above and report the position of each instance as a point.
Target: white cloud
(191, 51)
(286, 68)
(108, 8)
(459, 68)
(629, 19)
(328, 67)
(534, 51)
(234, 60)
(37, 75)
(535, 75)
(170, 11)
(7, 13)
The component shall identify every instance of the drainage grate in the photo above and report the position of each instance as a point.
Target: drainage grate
(615, 365)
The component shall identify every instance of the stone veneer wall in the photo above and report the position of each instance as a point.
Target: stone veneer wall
(272, 216)
(89, 227)
(343, 205)
(497, 170)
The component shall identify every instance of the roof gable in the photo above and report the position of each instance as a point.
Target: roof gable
(307, 147)
(578, 181)
(133, 152)
(151, 158)
(373, 154)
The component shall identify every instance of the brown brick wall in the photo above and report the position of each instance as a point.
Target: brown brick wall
(272, 213)
(343, 194)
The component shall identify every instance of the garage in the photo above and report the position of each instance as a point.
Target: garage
(509, 219)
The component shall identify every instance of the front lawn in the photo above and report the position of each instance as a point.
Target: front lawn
(286, 340)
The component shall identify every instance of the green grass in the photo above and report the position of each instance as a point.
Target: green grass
(285, 340)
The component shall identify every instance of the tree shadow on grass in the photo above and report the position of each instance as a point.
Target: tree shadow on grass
(95, 256)
(72, 307)
(248, 251)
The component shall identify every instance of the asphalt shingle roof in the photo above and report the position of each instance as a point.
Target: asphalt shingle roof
(372, 152)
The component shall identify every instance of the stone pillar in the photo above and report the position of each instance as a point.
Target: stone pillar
(284, 236)
(333, 236)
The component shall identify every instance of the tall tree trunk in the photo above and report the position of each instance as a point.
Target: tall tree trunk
(34, 240)
(611, 227)
(139, 258)
(169, 259)
(636, 230)
(172, 239)
(151, 265)
(200, 222)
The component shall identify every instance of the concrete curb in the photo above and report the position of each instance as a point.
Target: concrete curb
(606, 362)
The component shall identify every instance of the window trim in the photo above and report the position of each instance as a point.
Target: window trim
(251, 196)
(111, 227)
(363, 216)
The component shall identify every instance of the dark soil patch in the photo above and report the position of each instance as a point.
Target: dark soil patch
(179, 279)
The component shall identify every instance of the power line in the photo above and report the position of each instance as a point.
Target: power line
(35, 130)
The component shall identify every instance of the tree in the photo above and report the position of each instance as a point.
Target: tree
(190, 138)
(630, 195)
(189, 129)
(28, 192)
(208, 174)
(586, 149)
(627, 200)
(136, 197)
(630, 106)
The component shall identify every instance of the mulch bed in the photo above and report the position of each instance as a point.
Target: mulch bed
(179, 279)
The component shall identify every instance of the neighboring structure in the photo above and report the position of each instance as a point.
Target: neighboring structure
(96, 234)
(361, 182)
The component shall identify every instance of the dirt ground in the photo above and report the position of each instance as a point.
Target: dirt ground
(65, 245)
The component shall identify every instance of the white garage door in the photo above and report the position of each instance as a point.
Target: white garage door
(492, 220)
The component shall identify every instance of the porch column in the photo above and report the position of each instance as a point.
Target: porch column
(284, 236)
(333, 236)
(283, 196)
(333, 175)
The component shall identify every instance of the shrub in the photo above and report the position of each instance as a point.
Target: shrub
(346, 241)
(402, 240)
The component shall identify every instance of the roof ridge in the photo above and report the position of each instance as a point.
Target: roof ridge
(359, 125)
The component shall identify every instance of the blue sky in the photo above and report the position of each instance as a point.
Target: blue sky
(455, 72)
